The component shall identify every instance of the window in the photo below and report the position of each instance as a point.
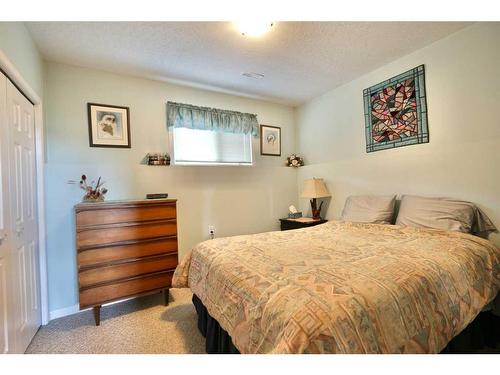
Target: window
(210, 136)
(209, 147)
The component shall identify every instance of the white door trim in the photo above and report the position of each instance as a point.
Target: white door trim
(15, 76)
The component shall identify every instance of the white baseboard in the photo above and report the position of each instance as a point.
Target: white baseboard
(70, 310)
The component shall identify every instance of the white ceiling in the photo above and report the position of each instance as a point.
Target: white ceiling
(300, 60)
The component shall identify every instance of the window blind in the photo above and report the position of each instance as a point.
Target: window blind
(208, 147)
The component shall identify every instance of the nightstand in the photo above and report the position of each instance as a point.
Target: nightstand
(301, 222)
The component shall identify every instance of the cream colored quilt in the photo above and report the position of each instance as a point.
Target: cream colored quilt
(343, 287)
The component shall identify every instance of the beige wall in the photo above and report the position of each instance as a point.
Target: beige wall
(16, 43)
(462, 159)
(237, 200)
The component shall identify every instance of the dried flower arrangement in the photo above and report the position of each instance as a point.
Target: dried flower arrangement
(294, 161)
(92, 194)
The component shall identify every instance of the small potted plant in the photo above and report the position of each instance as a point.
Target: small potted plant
(294, 161)
(92, 194)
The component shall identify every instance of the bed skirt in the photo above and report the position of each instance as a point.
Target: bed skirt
(481, 336)
(217, 341)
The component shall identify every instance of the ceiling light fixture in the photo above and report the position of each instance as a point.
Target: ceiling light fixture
(253, 75)
(254, 28)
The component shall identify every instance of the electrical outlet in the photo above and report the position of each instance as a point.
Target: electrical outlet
(211, 230)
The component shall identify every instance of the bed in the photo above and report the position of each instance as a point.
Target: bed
(343, 287)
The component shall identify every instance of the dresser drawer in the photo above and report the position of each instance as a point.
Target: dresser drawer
(99, 275)
(125, 214)
(133, 249)
(116, 233)
(123, 289)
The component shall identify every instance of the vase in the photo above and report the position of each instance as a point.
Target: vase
(93, 198)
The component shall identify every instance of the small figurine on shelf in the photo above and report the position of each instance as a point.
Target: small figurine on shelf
(294, 161)
(92, 194)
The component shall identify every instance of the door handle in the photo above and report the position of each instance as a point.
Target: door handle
(3, 237)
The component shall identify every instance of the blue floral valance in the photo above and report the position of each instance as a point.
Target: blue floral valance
(189, 116)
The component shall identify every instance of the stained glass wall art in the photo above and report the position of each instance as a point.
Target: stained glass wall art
(396, 111)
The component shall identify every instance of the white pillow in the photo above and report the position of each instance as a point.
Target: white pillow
(438, 213)
(369, 209)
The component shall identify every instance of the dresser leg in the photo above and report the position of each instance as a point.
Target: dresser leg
(97, 315)
(165, 295)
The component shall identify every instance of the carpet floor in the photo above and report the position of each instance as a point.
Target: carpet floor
(140, 325)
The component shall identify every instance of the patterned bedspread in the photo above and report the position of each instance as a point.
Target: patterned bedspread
(343, 287)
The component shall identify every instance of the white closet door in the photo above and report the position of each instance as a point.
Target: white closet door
(7, 313)
(22, 196)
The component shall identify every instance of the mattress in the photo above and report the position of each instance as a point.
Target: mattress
(343, 287)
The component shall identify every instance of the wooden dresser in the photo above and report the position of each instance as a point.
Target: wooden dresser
(124, 249)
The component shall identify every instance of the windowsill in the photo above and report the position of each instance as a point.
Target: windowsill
(209, 164)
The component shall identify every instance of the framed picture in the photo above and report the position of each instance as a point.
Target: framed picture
(270, 140)
(396, 111)
(109, 125)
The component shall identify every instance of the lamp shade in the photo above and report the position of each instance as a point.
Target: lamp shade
(315, 188)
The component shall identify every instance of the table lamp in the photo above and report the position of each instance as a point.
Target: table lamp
(315, 188)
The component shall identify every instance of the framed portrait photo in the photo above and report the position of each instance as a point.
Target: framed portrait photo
(270, 140)
(109, 125)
